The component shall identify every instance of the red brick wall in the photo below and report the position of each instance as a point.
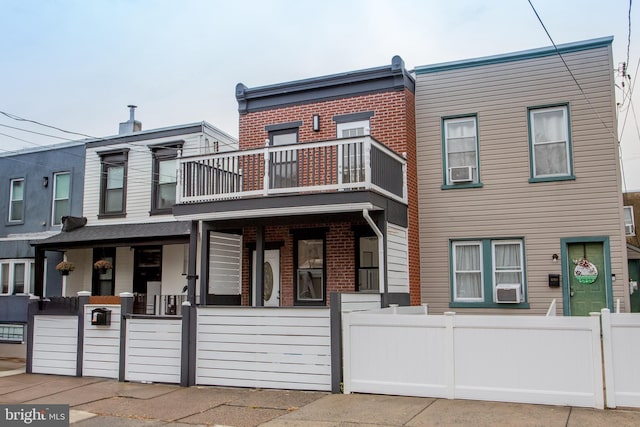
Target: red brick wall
(393, 124)
(340, 259)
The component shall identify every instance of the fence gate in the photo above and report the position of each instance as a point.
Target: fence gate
(153, 350)
(55, 345)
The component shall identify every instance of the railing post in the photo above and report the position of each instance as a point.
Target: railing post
(367, 163)
(339, 165)
(179, 178)
(266, 179)
(126, 308)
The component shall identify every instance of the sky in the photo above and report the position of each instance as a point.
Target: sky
(77, 64)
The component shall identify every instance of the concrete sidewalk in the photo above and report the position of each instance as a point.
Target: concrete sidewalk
(100, 402)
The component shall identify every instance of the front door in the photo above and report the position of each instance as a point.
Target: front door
(271, 290)
(587, 278)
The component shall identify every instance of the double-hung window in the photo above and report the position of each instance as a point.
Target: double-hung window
(165, 178)
(16, 276)
(629, 224)
(460, 136)
(550, 143)
(113, 183)
(16, 200)
(61, 192)
(488, 273)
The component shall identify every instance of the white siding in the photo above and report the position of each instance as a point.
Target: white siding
(508, 205)
(153, 350)
(101, 349)
(225, 264)
(397, 259)
(173, 279)
(124, 270)
(288, 348)
(55, 345)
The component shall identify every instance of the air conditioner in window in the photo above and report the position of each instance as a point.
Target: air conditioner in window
(509, 293)
(461, 174)
(629, 229)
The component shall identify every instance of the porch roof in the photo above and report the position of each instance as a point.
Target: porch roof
(118, 235)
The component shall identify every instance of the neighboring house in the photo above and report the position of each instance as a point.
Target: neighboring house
(631, 212)
(320, 198)
(129, 193)
(39, 187)
(519, 183)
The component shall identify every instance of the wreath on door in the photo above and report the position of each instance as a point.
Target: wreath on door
(585, 272)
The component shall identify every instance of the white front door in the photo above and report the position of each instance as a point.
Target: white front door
(271, 278)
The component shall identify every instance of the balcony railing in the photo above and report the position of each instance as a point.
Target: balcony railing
(338, 165)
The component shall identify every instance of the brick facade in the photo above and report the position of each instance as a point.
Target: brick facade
(392, 124)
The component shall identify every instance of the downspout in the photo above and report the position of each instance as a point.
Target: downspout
(382, 262)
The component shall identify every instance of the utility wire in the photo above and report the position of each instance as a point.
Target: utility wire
(21, 119)
(569, 70)
(32, 131)
(629, 33)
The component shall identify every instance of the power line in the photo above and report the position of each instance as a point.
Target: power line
(21, 119)
(569, 70)
(33, 131)
(629, 33)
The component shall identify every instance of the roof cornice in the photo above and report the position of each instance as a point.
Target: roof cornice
(516, 56)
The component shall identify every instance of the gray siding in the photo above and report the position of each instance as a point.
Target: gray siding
(508, 205)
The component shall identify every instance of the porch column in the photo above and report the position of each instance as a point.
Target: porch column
(38, 287)
(204, 261)
(259, 266)
(193, 263)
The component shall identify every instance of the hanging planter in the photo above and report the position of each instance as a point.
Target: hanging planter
(102, 265)
(65, 267)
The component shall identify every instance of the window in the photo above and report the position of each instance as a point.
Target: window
(12, 333)
(61, 191)
(367, 264)
(550, 143)
(165, 179)
(16, 197)
(460, 151)
(488, 273)
(310, 270)
(284, 164)
(16, 276)
(113, 184)
(629, 224)
(353, 165)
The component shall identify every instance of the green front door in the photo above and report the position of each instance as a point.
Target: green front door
(587, 278)
(634, 269)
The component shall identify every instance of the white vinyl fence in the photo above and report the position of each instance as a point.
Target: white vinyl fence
(101, 348)
(621, 343)
(153, 350)
(546, 360)
(288, 348)
(55, 345)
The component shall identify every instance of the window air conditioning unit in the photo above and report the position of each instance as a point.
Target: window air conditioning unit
(508, 294)
(628, 229)
(461, 174)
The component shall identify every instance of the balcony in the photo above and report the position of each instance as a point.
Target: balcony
(329, 166)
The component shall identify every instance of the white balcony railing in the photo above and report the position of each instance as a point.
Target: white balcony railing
(338, 165)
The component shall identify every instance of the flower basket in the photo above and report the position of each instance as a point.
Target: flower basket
(102, 265)
(65, 267)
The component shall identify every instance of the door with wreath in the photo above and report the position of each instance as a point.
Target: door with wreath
(587, 279)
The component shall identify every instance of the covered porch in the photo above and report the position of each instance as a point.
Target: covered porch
(149, 260)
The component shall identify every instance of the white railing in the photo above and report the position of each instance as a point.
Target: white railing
(345, 164)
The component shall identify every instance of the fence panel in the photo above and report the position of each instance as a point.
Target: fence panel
(101, 347)
(288, 348)
(545, 360)
(153, 349)
(55, 345)
(621, 344)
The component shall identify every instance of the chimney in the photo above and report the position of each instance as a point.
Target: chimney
(131, 125)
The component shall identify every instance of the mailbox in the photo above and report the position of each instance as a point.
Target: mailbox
(554, 280)
(101, 316)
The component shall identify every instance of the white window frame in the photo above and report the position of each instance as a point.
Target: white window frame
(10, 264)
(350, 126)
(629, 227)
(565, 139)
(475, 175)
(11, 200)
(455, 246)
(520, 270)
(58, 221)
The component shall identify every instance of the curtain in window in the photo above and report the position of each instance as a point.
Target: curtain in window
(508, 262)
(461, 143)
(550, 145)
(468, 271)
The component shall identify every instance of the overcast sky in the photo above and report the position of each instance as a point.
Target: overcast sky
(78, 64)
